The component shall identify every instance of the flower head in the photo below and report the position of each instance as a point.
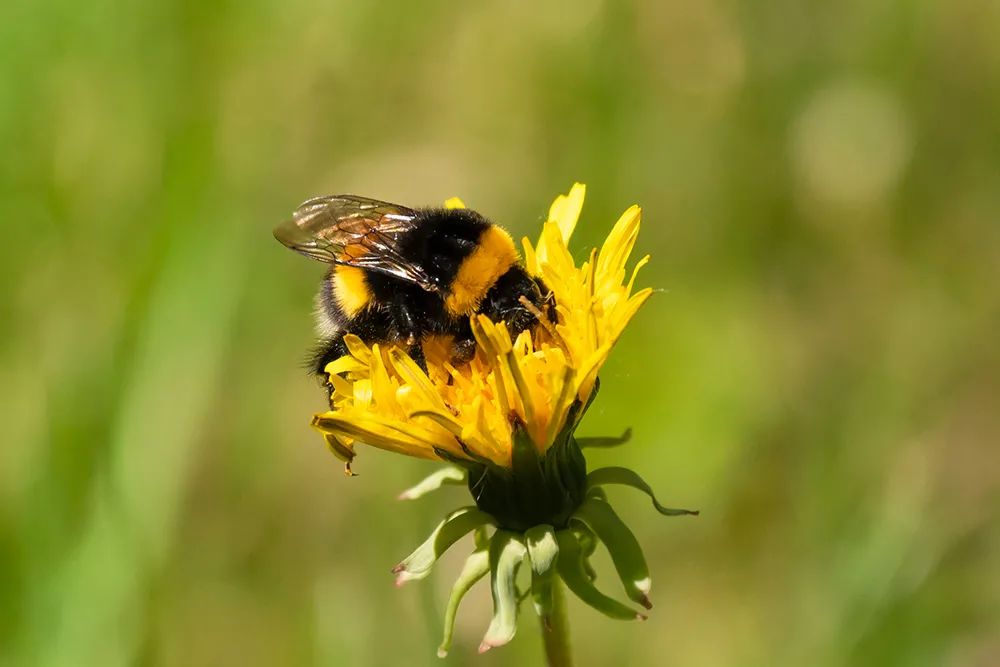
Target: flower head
(530, 384)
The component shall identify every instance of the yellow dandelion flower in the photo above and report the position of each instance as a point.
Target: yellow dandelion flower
(533, 385)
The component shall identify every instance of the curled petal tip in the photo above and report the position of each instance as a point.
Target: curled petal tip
(402, 577)
(398, 568)
(484, 647)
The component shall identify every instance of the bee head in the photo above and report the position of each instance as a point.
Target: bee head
(517, 299)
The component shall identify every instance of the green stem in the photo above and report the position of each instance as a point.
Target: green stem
(556, 636)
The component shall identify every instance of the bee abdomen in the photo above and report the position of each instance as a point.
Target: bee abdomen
(350, 289)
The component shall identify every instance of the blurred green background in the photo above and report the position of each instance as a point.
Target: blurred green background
(819, 375)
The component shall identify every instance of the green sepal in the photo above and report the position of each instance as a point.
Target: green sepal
(481, 537)
(434, 481)
(627, 477)
(475, 466)
(543, 551)
(593, 395)
(477, 565)
(606, 441)
(572, 571)
(525, 463)
(626, 554)
(537, 488)
(588, 545)
(457, 524)
(565, 465)
(506, 553)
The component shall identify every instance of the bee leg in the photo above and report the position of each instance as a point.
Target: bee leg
(404, 318)
(409, 330)
(416, 352)
(327, 351)
(463, 343)
(548, 302)
(463, 349)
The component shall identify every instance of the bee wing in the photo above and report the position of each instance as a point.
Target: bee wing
(355, 231)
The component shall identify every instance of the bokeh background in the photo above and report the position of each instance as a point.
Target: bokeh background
(819, 374)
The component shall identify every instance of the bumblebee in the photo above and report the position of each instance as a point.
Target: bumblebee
(399, 275)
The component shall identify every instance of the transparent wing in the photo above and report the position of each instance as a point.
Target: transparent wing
(356, 231)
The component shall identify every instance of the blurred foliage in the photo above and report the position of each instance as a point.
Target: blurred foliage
(821, 188)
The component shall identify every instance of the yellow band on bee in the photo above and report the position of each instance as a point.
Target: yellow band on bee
(492, 257)
(350, 288)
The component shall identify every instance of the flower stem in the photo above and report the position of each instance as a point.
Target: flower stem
(556, 635)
